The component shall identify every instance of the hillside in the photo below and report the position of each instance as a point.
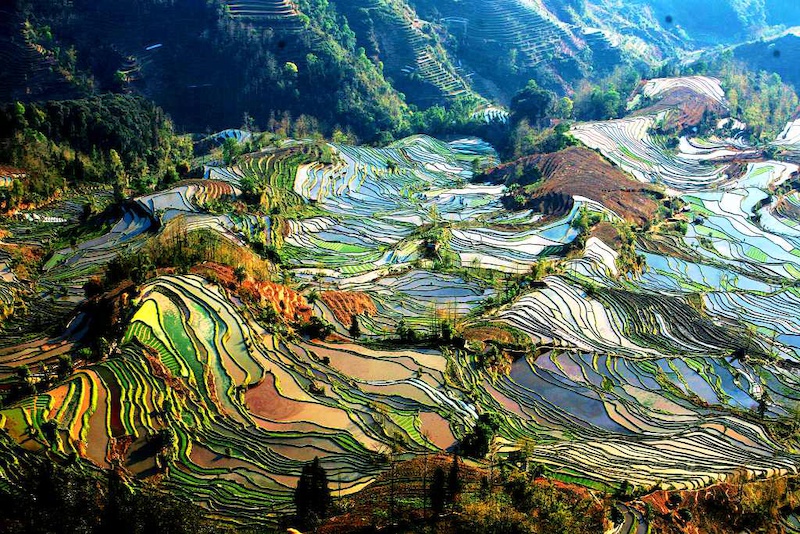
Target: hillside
(778, 55)
(453, 266)
(630, 328)
(208, 63)
(576, 171)
(661, 29)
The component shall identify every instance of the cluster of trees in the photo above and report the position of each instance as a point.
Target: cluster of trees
(607, 97)
(315, 328)
(114, 139)
(523, 505)
(628, 260)
(761, 99)
(476, 444)
(535, 104)
(405, 333)
(42, 496)
(179, 249)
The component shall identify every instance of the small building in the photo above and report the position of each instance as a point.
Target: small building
(9, 174)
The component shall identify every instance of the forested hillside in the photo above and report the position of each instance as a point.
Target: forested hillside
(362, 65)
(205, 62)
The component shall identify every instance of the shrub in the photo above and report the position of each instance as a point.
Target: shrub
(316, 328)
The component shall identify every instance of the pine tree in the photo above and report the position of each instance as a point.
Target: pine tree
(355, 329)
(438, 494)
(312, 497)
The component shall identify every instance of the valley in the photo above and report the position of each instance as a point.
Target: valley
(399, 266)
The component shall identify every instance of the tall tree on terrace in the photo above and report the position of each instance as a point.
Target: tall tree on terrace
(312, 497)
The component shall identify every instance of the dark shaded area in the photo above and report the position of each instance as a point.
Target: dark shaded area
(51, 495)
(204, 67)
(685, 324)
(780, 56)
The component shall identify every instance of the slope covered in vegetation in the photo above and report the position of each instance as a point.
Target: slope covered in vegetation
(286, 325)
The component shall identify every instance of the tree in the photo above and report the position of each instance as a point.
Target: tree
(476, 443)
(240, 273)
(170, 177)
(313, 296)
(446, 331)
(564, 108)
(532, 103)
(453, 481)
(64, 365)
(230, 150)
(438, 494)
(406, 333)
(290, 69)
(312, 497)
(355, 330)
(24, 372)
(316, 328)
(763, 404)
(117, 175)
(625, 490)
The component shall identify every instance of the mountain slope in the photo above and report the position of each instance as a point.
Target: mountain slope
(209, 63)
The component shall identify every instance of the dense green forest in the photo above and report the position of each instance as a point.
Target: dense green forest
(207, 68)
(122, 140)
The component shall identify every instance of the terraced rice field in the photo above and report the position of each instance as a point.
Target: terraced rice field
(240, 402)
(619, 415)
(281, 14)
(664, 378)
(376, 200)
(698, 164)
(789, 140)
(525, 26)
(702, 85)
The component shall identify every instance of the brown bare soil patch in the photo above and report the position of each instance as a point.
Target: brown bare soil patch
(345, 304)
(685, 108)
(726, 508)
(582, 172)
(577, 171)
(609, 235)
(118, 449)
(286, 302)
